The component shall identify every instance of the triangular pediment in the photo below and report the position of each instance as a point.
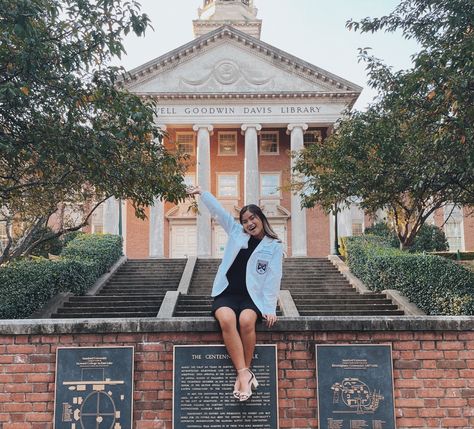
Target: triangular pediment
(227, 61)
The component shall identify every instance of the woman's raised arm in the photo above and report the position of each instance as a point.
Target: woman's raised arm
(224, 218)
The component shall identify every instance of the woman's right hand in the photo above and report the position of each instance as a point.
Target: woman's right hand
(193, 190)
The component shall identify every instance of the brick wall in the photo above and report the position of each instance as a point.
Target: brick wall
(318, 222)
(433, 374)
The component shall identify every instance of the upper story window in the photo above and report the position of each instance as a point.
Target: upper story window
(312, 136)
(185, 142)
(189, 180)
(3, 235)
(357, 228)
(269, 143)
(227, 143)
(270, 185)
(453, 228)
(227, 185)
(97, 224)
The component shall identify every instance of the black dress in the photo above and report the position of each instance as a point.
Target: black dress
(236, 295)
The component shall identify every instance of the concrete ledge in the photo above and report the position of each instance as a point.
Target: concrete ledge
(351, 278)
(187, 275)
(51, 306)
(287, 305)
(170, 301)
(100, 282)
(403, 303)
(208, 324)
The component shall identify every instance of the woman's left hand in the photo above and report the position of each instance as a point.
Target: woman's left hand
(270, 319)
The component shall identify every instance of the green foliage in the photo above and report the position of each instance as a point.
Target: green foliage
(68, 133)
(430, 238)
(462, 256)
(436, 285)
(412, 151)
(102, 251)
(50, 247)
(381, 229)
(26, 285)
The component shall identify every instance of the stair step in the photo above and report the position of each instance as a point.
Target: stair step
(108, 315)
(346, 306)
(351, 313)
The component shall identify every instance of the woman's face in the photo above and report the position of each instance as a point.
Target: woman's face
(253, 225)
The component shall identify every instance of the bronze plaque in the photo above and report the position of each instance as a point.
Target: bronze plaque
(202, 390)
(94, 388)
(355, 386)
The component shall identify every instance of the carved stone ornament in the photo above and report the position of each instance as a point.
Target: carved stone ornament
(227, 72)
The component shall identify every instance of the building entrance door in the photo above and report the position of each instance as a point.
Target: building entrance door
(183, 241)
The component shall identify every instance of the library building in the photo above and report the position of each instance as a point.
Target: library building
(239, 106)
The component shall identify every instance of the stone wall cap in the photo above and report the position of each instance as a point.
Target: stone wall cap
(208, 324)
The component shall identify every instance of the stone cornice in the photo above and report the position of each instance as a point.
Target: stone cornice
(208, 324)
(247, 95)
(275, 55)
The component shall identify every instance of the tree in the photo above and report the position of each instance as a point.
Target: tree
(412, 151)
(68, 135)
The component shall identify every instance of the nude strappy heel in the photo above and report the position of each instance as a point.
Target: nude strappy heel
(252, 384)
(236, 392)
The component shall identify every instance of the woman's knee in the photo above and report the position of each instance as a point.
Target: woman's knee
(226, 318)
(247, 321)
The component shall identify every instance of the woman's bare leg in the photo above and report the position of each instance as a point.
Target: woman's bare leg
(247, 321)
(228, 322)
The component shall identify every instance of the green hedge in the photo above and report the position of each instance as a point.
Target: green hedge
(26, 285)
(102, 251)
(436, 285)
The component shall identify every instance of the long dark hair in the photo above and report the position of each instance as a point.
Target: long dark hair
(257, 211)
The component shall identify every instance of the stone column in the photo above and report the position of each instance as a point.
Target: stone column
(156, 232)
(157, 224)
(298, 215)
(111, 216)
(252, 176)
(204, 232)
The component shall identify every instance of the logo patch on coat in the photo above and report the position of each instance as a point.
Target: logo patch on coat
(262, 266)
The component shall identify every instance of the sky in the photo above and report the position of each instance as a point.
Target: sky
(313, 30)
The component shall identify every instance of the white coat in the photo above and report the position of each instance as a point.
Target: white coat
(264, 267)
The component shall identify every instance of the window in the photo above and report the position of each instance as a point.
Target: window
(189, 180)
(311, 137)
(269, 185)
(97, 224)
(3, 235)
(357, 228)
(185, 143)
(453, 227)
(227, 185)
(269, 143)
(227, 143)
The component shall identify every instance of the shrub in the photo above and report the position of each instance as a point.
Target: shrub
(53, 246)
(430, 238)
(101, 250)
(26, 285)
(436, 285)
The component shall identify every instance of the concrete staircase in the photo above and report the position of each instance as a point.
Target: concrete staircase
(198, 301)
(319, 289)
(136, 289)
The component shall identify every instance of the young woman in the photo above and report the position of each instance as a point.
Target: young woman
(246, 285)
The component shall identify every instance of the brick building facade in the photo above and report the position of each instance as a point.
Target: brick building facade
(238, 106)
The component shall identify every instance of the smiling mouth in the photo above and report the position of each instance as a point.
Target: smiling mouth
(251, 228)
